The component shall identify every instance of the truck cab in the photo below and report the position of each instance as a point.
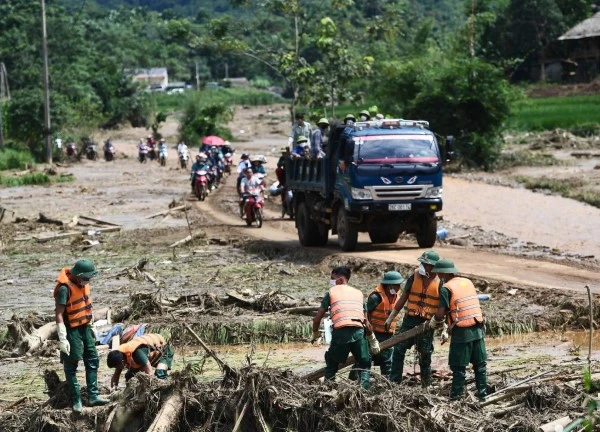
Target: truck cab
(383, 177)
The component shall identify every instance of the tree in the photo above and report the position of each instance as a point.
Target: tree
(463, 96)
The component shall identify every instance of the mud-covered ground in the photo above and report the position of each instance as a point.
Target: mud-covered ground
(535, 276)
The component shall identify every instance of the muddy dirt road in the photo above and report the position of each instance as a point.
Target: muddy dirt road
(126, 191)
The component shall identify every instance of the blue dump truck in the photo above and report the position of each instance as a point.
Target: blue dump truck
(383, 177)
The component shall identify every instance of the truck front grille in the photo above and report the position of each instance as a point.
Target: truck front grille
(407, 192)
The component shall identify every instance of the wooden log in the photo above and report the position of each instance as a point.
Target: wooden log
(551, 427)
(99, 221)
(38, 337)
(174, 209)
(509, 393)
(300, 310)
(393, 341)
(57, 236)
(167, 418)
(45, 219)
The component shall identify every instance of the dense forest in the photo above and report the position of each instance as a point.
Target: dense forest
(409, 57)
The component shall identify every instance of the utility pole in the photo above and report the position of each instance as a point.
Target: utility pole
(47, 136)
(197, 77)
(226, 70)
(4, 96)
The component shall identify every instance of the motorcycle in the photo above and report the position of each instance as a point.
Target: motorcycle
(228, 162)
(183, 159)
(143, 153)
(287, 203)
(71, 149)
(201, 185)
(91, 153)
(162, 157)
(253, 208)
(152, 153)
(109, 153)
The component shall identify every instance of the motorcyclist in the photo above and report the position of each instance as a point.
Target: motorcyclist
(201, 164)
(241, 169)
(142, 149)
(162, 147)
(181, 146)
(107, 145)
(249, 185)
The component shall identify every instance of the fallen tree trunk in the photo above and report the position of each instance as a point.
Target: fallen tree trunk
(42, 239)
(45, 219)
(167, 418)
(37, 338)
(393, 341)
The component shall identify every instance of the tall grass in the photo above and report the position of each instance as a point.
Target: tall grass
(15, 159)
(25, 180)
(568, 112)
(228, 96)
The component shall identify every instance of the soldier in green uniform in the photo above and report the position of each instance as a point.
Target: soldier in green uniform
(380, 304)
(459, 302)
(420, 297)
(73, 315)
(348, 314)
(141, 354)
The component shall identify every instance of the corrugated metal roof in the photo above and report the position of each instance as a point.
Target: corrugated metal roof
(585, 29)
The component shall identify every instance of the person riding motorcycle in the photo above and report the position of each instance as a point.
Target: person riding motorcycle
(142, 150)
(162, 147)
(201, 164)
(241, 169)
(249, 185)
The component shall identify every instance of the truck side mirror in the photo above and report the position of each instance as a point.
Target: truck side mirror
(449, 148)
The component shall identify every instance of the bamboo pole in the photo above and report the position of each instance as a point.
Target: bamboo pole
(589, 359)
(394, 340)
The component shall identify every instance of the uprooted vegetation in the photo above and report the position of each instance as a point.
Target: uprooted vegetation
(255, 398)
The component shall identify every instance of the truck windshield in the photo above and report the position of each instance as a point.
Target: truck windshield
(395, 149)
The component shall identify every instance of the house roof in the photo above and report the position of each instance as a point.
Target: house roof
(585, 29)
(159, 71)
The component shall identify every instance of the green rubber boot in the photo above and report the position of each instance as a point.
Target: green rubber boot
(91, 380)
(73, 386)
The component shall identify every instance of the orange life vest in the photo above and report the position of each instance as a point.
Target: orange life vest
(78, 310)
(154, 342)
(346, 306)
(423, 301)
(465, 310)
(381, 313)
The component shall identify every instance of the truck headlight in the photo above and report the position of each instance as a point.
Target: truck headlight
(361, 194)
(434, 192)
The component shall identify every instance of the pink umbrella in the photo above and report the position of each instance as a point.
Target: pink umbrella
(213, 140)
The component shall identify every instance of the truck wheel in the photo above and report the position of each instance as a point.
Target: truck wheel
(308, 230)
(427, 231)
(347, 232)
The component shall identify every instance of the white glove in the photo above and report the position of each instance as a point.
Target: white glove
(373, 344)
(435, 324)
(390, 319)
(444, 336)
(64, 344)
(316, 337)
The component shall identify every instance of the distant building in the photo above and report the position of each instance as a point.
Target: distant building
(154, 78)
(237, 82)
(583, 45)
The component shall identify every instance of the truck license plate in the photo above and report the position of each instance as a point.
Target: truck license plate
(399, 207)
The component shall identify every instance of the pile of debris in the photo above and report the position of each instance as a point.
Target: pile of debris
(261, 399)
